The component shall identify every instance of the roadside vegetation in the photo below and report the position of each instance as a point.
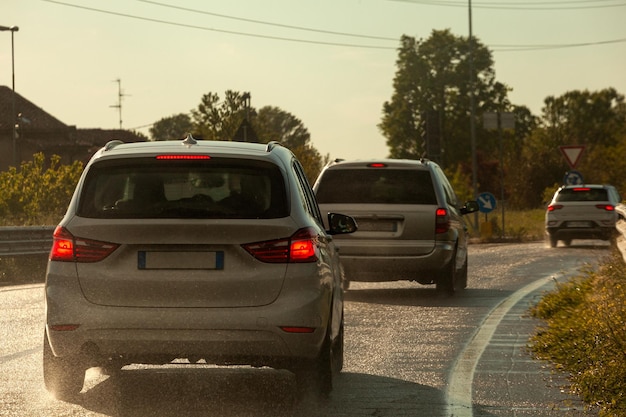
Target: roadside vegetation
(585, 334)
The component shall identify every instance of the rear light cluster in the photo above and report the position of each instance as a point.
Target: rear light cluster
(442, 220)
(607, 207)
(68, 248)
(301, 247)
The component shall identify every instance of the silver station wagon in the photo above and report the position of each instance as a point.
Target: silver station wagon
(196, 250)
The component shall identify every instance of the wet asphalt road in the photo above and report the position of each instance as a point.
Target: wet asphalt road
(409, 352)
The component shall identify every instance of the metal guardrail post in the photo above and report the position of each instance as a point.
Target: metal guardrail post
(26, 240)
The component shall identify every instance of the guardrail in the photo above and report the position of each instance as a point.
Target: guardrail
(26, 240)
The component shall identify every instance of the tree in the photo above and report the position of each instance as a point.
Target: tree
(215, 120)
(433, 77)
(596, 120)
(173, 127)
(220, 120)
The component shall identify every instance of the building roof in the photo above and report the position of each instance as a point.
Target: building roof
(36, 117)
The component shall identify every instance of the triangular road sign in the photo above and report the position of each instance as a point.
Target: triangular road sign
(572, 154)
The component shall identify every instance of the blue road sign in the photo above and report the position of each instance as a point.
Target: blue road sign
(573, 178)
(486, 202)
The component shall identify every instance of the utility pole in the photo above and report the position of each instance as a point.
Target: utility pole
(472, 111)
(120, 95)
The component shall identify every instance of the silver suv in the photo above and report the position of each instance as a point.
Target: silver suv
(194, 250)
(410, 221)
(582, 212)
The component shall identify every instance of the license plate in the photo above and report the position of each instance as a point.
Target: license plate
(180, 260)
(377, 226)
(578, 224)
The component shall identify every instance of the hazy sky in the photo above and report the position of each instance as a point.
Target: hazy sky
(330, 63)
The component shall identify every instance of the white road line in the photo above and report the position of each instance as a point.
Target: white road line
(459, 391)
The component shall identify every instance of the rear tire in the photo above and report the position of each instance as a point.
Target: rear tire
(553, 241)
(316, 376)
(447, 278)
(63, 377)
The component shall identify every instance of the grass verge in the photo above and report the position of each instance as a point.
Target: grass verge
(585, 334)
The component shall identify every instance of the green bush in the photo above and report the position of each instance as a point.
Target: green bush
(585, 334)
(37, 193)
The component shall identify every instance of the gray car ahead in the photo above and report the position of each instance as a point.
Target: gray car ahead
(410, 221)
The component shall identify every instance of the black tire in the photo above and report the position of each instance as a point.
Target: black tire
(337, 351)
(447, 277)
(316, 376)
(64, 378)
(461, 279)
(553, 241)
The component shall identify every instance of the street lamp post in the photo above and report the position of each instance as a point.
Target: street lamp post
(13, 29)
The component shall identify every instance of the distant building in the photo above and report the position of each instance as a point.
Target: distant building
(39, 131)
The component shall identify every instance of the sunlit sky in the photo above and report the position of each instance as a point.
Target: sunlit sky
(330, 63)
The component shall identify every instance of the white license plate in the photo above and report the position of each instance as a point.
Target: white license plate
(180, 260)
(578, 224)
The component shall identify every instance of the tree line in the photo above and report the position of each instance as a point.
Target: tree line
(428, 115)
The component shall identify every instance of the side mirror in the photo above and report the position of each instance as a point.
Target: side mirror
(470, 207)
(341, 224)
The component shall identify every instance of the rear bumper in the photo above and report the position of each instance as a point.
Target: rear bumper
(250, 335)
(565, 233)
(380, 268)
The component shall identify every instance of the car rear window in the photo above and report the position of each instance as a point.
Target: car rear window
(582, 194)
(213, 188)
(376, 186)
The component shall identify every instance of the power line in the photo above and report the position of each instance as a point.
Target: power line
(230, 32)
(541, 5)
(261, 22)
(494, 47)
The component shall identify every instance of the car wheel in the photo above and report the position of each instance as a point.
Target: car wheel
(462, 277)
(553, 241)
(447, 277)
(337, 351)
(316, 376)
(62, 377)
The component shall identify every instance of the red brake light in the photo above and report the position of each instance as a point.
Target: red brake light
(582, 189)
(607, 207)
(178, 157)
(377, 165)
(301, 247)
(442, 220)
(68, 248)
(553, 207)
(292, 329)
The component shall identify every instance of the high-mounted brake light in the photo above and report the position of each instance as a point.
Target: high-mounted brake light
(581, 189)
(377, 165)
(68, 248)
(300, 247)
(442, 220)
(179, 157)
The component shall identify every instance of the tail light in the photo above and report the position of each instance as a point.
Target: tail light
(607, 207)
(553, 207)
(442, 221)
(68, 248)
(300, 247)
